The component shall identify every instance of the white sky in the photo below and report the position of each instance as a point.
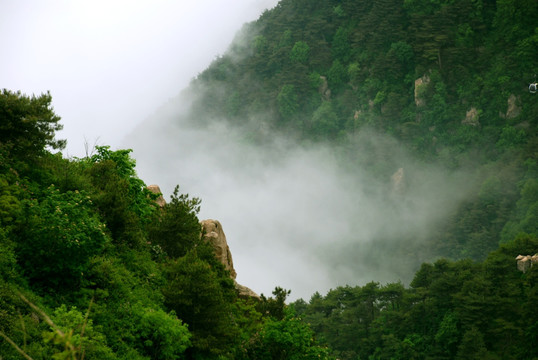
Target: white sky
(109, 64)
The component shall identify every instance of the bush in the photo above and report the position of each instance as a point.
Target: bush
(57, 237)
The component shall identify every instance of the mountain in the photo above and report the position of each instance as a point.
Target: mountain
(436, 92)
(381, 152)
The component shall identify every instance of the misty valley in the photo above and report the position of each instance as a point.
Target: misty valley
(349, 180)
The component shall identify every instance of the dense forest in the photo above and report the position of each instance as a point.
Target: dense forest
(91, 267)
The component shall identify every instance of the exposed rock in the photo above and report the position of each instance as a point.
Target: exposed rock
(471, 117)
(513, 109)
(525, 262)
(157, 190)
(245, 292)
(420, 83)
(323, 89)
(398, 181)
(213, 233)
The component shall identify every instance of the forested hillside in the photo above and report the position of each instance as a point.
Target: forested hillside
(91, 267)
(448, 79)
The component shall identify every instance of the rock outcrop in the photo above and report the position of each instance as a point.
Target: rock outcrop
(525, 262)
(421, 84)
(471, 117)
(398, 181)
(323, 89)
(157, 190)
(213, 233)
(513, 109)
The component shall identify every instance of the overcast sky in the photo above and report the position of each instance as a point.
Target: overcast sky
(110, 63)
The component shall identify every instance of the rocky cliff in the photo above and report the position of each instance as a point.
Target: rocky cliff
(212, 232)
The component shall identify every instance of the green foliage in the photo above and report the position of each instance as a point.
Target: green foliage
(121, 197)
(58, 236)
(510, 138)
(202, 298)
(274, 307)
(27, 124)
(300, 52)
(341, 48)
(526, 218)
(337, 74)
(78, 333)
(259, 43)
(354, 72)
(177, 228)
(287, 101)
(452, 310)
(288, 338)
(325, 121)
(472, 346)
(124, 166)
(153, 300)
(161, 335)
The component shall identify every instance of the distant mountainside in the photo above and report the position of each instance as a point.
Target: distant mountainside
(448, 80)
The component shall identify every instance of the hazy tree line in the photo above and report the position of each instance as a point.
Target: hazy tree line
(91, 268)
(452, 310)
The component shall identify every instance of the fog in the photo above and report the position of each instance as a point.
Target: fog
(306, 217)
(301, 216)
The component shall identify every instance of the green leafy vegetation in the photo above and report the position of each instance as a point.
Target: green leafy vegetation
(91, 267)
(452, 310)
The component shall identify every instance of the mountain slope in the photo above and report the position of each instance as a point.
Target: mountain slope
(437, 89)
